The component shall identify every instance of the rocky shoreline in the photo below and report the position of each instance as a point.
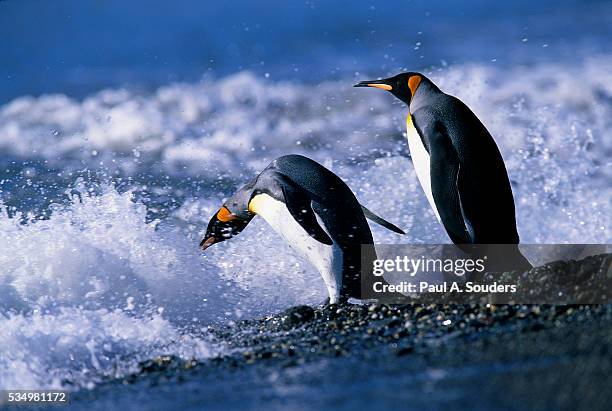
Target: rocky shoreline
(303, 333)
(550, 357)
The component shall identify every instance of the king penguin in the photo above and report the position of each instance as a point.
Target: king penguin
(458, 165)
(314, 211)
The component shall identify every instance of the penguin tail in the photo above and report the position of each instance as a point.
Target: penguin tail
(511, 258)
(381, 221)
(522, 263)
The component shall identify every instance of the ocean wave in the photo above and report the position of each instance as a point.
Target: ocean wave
(221, 126)
(243, 120)
(78, 348)
(89, 292)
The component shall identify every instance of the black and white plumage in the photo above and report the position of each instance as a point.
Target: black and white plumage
(313, 210)
(457, 163)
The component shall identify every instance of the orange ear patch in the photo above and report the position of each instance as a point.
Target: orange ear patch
(225, 215)
(413, 83)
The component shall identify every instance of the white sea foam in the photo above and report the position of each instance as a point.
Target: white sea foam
(80, 291)
(98, 252)
(95, 288)
(76, 347)
(215, 126)
(243, 120)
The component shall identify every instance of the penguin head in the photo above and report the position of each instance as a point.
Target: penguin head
(230, 219)
(223, 226)
(403, 86)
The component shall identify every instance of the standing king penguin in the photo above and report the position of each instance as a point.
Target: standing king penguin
(313, 210)
(458, 165)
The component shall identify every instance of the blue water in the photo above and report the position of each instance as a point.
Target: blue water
(123, 125)
(77, 48)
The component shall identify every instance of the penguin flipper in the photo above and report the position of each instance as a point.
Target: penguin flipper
(381, 221)
(444, 171)
(299, 204)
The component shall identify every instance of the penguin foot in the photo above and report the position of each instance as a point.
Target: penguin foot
(324, 303)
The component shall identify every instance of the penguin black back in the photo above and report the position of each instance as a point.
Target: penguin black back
(335, 204)
(453, 135)
(312, 176)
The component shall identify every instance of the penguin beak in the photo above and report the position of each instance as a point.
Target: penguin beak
(374, 83)
(207, 243)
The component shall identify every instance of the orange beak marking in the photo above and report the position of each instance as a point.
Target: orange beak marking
(382, 86)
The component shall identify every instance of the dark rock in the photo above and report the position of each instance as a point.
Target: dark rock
(296, 316)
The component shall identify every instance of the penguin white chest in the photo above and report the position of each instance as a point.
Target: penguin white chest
(327, 259)
(420, 160)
